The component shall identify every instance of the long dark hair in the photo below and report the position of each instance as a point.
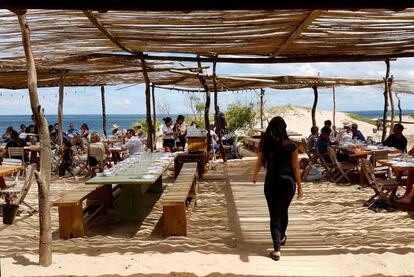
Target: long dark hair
(274, 140)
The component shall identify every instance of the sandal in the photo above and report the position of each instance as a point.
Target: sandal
(274, 255)
(283, 241)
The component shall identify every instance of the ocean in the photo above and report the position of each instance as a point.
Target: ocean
(379, 113)
(94, 121)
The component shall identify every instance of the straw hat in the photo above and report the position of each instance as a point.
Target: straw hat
(114, 126)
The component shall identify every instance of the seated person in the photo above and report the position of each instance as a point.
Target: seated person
(134, 144)
(116, 132)
(169, 135)
(138, 131)
(323, 143)
(6, 136)
(345, 135)
(97, 151)
(66, 161)
(72, 132)
(357, 133)
(14, 141)
(214, 138)
(312, 139)
(397, 139)
(312, 173)
(334, 133)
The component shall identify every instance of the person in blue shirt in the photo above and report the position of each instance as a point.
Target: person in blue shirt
(397, 139)
(357, 133)
(72, 131)
(323, 143)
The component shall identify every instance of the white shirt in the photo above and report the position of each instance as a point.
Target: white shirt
(344, 136)
(165, 130)
(134, 145)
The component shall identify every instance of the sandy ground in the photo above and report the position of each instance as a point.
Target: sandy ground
(330, 234)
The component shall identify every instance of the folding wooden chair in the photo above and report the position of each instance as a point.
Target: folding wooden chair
(380, 170)
(342, 168)
(384, 189)
(18, 191)
(16, 153)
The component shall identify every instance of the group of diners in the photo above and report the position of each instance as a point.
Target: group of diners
(75, 142)
(329, 135)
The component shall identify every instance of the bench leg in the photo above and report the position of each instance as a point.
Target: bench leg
(71, 221)
(175, 222)
(131, 203)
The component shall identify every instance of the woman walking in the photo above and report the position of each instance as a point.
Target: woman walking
(280, 158)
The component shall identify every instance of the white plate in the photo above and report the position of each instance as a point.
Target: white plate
(148, 176)
(153, 171)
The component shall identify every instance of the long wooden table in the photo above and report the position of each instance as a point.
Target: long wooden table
(399, 167)
(134, 183)
(8, 170)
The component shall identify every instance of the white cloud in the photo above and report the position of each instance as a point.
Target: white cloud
(131, 100)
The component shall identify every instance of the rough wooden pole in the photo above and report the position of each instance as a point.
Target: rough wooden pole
(390, 95)
(334, 106)
(206, 108)
(315, 103)
(399, 108)
(60, 109)
(216, 112)
(154, 116)
(103, 110)
(262, 91)
(385, 114)
(43, 177)
(148, 104)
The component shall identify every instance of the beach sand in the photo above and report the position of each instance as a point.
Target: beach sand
(330, 233)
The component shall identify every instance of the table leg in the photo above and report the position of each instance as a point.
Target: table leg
(131, 202)
(410, 181)
(157, 186)
(2, 183)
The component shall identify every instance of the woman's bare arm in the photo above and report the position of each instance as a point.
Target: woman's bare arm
(296, 172)
(259, 164)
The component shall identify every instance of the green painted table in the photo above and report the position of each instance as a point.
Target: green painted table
(135, 182)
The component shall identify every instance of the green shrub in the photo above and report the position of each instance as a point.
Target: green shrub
(362, 118)
(240, 116)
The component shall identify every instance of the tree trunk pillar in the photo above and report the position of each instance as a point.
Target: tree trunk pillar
(154, 117)
(60, 109)
(315, 103)
(43, 180)
(385, 114)
(103, 110)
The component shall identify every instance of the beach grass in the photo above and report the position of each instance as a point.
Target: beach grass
(362, 118)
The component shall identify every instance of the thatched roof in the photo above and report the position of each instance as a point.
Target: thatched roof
(104, 48)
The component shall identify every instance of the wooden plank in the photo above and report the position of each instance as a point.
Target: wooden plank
(74, 196)
(71, 223)
(175, 222)
(8, 170)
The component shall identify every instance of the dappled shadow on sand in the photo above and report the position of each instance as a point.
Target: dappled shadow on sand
(230, 217)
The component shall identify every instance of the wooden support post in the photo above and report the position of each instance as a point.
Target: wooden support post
(60, 109)
(390, 95)
(42, 177)
(399, 108)
(262, 91)
(103, 110)
(334, 106)
(147, 104)
(154, 116)
(206, 108)
(216, 112)
(315, 103)
(385, 114)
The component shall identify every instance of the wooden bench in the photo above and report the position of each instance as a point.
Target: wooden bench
(175, 201)
(78, 207)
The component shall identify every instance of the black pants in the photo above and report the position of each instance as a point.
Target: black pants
(66, 166)
(279, 192)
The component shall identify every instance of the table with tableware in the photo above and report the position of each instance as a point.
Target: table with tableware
(400, 164)
(138, 174)
(6, 170)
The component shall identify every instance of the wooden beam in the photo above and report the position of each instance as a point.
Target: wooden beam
(249, 60)
(206, 107)
(315, 103)
(95, 21)
(297, 32)
(60, 109)
(147, 104)
(43, 176)
(183, 5)
(103, 110)
(385, 114)
(154, 116)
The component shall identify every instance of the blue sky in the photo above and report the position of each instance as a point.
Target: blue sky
(131, 100)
